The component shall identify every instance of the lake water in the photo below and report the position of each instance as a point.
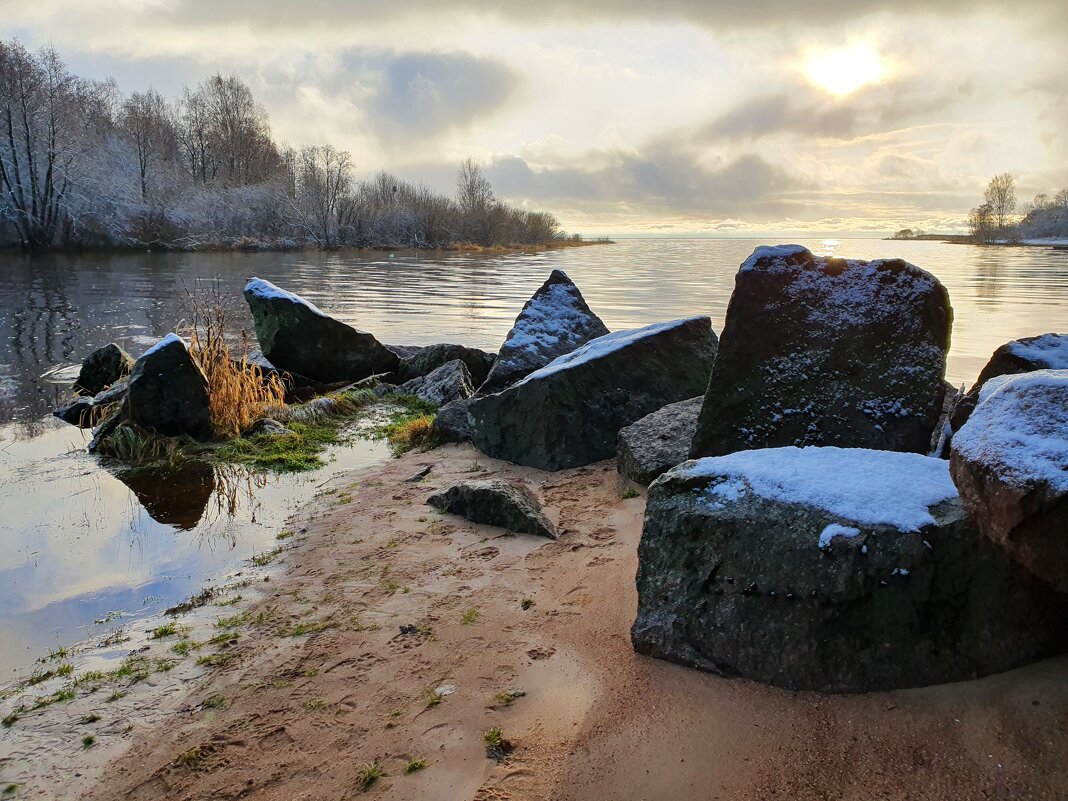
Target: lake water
(78, 543)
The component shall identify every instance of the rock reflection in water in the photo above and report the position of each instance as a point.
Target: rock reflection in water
(179, 495)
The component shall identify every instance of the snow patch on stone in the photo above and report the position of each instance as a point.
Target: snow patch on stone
(1020, 428)
(772, 255)
(170, 339)
(265, 289)
(836, 530)
(868, 487)
(603, 346)
(1048, 350)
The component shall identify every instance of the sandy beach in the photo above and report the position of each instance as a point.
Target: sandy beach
(382, 601)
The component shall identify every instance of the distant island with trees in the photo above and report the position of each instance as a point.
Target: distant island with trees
(84, 165)
(996, 222)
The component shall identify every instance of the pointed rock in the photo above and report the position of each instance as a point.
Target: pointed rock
(653, 445)
(102, 368)
(296, 336)
(555, 321)
(168, 392)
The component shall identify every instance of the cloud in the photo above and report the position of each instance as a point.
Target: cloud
(663, 178)
(420, 95)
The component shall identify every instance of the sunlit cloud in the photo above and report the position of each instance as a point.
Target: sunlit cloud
(842, 71)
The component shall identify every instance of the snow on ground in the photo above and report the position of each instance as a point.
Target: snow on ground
(1049, 241)
(602, 346)
(1048, 350)
(863, 486)
(265, 289)
(1020, 428)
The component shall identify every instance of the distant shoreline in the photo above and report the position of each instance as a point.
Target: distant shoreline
(964, 239)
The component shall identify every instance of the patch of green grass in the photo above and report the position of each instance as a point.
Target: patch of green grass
(90, 677)
(163, 665)
(135, 667)
(216, 701)
(214, 660)
(265, 558)
(57, 654)
(90, 718)
(414, 766)
(289, 453)
(190, 757)
(343, 498)
(470, 616)
(497, 747)
(224, 638)
(315, 704)
(367, 775)
(309, 627)
(629, 493)
(12, 717)
(526, 603)
(284, 535)
(229, 601)
(166, 630)
(505, 697)
(233, 622)
(88, 741)
(65, 669)
(430, 696)
(40, 678)
(11, 789)
(182, 647)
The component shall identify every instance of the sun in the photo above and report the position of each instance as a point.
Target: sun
(845, 70)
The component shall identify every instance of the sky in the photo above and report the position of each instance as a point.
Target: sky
(679, 117)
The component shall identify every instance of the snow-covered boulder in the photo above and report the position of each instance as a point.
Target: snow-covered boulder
(1010, 464)
(430, 358)
(497, 503)
(168, 392)
(102, 368)
(832, 569)
(555, 321)
(450, 382)
(1042, 352)
(296, 336)
(823, 351)
(659, 441)
(568, 413)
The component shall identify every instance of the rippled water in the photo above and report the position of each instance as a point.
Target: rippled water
(76, 542)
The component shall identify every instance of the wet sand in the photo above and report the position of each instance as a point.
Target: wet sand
(303, 712)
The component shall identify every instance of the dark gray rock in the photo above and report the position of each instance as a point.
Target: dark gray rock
(555, 321)
(836, 570)
(659, 441)
(1043, 352)
(168, 392)
(85, 412)
(447, 383)
(496, 503)
(102, 368)
(1010, 464)
(432, 357)
(297, 337)
(823, 351)
(405, 351)
(569, 413)
(453, 422)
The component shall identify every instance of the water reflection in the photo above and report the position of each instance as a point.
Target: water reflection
(174, 496)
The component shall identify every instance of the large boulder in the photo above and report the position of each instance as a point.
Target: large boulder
(102, 368)
(823, 351)
(430, 358)
(832, 569)
(1043, 352)
(168, 392)
(555, 321)
(1010, 464)
(659, 441)
(450, 382)
(297, 337)
(452, 423)
(496, 503)
(569, 412)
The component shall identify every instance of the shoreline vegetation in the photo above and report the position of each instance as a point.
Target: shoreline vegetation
(83, 165)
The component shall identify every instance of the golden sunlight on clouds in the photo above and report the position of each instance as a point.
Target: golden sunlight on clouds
(845, 70)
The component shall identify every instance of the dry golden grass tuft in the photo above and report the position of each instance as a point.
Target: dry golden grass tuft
(239, 392)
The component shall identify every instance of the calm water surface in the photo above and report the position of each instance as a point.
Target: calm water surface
(79, 541)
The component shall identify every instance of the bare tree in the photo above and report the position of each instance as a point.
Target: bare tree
(146, 120)
(982, 222)
(1001, 197)
(323, 201)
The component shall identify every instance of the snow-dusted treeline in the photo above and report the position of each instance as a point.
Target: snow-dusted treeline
(82, 164)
